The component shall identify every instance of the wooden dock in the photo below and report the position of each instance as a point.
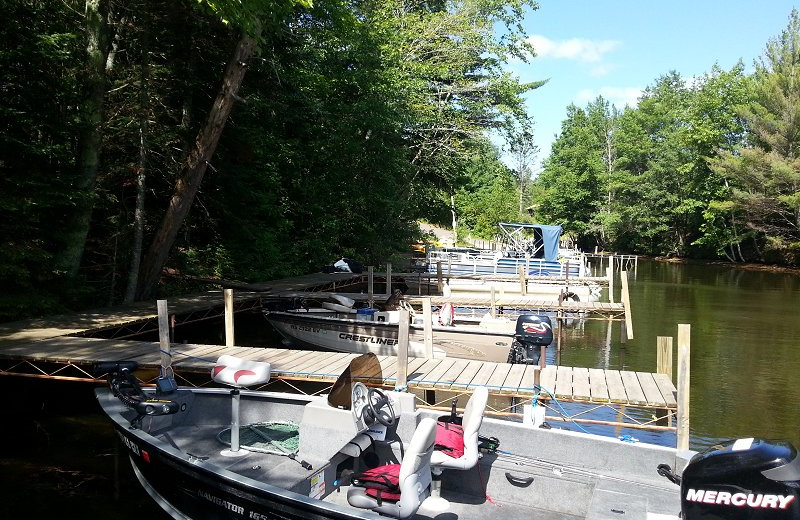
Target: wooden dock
(72, 357)
(62, 347)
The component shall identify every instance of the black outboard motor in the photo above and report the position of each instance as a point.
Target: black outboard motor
(746, 479)
(533, 332)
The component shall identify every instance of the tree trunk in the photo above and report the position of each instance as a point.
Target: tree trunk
(455, 220)
(141, 170)
(69, 258)
(194, 169)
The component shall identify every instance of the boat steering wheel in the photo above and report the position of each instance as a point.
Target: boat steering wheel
(380, 407)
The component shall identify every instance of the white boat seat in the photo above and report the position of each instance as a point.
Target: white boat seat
(413, 478)
(240, 373)
(471, 423)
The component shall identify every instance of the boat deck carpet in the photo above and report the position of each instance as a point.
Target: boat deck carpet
(277, 470)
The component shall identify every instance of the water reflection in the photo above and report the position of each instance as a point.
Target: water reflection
(745, 339)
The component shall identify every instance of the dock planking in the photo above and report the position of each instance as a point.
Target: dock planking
(633, 388)
(598, 385)
(566, 383)
(581, 388)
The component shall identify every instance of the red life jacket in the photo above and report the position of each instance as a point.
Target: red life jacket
(382, 482)
(450, 439)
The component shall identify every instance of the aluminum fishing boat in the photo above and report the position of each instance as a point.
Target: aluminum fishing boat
(360, 453)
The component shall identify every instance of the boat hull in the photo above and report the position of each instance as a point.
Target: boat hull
(380, 338)
(543, 291)
(186, 489)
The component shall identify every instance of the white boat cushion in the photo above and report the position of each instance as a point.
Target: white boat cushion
(234, 371)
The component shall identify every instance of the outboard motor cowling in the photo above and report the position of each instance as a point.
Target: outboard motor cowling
(532, 333)
(746, 479)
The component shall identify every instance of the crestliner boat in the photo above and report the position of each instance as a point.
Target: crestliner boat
(359, 453)
(369, 330)
(338, 326)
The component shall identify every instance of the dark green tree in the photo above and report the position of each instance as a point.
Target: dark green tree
(765, 175)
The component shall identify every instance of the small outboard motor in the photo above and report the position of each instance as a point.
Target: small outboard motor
(533, 331)
(746, 479)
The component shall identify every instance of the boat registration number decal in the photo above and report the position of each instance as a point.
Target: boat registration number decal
(305, 328)
(317, 485)
(129, 443)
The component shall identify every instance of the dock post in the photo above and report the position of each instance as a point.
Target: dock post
(635, 266)
(427, 319)
(163, 338)
(493, 303)
(523, 286)
(388, 278)
(664, 355)
(560, 320)
(402, 351)
(370, 286)
(684, 336)
(228, 294)
(439, 282)
(626, 302)
(610, 275)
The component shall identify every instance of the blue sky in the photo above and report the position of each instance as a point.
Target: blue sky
(616, 48)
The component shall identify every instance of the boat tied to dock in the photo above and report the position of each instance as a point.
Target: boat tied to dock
(360, 453)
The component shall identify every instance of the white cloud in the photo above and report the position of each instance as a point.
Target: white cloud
(603, 69)
(578, 49)
(617, 96)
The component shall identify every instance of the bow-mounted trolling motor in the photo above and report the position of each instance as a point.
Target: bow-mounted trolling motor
(747, 479)
(126, 388)
(533, 332)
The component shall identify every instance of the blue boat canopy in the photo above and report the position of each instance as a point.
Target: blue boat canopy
(541, 238)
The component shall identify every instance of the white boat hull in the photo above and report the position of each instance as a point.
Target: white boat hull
(543, 291)
(356, 336)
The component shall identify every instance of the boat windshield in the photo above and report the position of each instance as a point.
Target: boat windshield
(365, 369)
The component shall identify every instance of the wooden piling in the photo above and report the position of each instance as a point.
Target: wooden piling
(610, 275)
(163, 337)
(493, 303)
(402, 351)
(228, 296)
(664, 355)
(427, 317)
(684, 337)
(626, 301)
(370, 286)
(439, 281)
(388, 278)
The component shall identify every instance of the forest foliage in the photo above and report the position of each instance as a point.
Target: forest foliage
(239, 140)
(254, 140)
(703, 167)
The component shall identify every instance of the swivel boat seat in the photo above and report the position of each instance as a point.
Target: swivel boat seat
(457, 445)
(398, 490)
(238, 373)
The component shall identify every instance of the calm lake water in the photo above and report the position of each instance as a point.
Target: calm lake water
(58, 456)
(745, 345)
